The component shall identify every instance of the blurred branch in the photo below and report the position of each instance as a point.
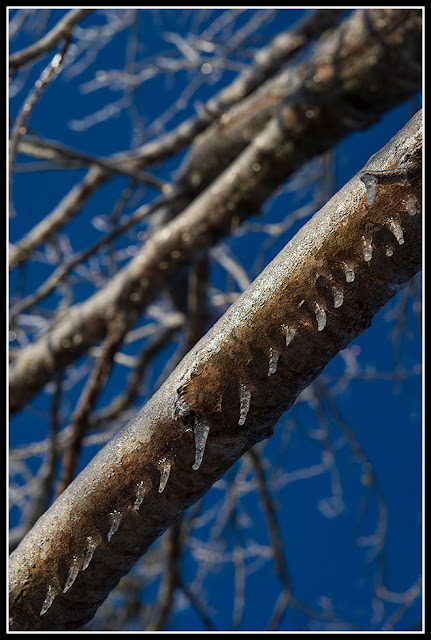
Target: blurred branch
(61, 30)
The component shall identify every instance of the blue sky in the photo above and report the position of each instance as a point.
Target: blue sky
(323, 559)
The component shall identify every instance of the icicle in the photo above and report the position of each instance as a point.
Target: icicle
(115, 523)
(201, 430)
(370, 183)
(166, 469)
(273, 361)
(411, 206)
(396, 229)
(338, 297)
(244, 403)
(367, 248)
(91, 545)
(389, 250)
(349, 272)
(320, 316)
(290, 333)
(139, 495)
(73, 572)
(52, 592)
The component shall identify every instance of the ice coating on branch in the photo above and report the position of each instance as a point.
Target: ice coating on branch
(140, 492)
(290, 333)
(52, 592)
(411, 206)
(367, 248)
(349, 272)
(73, 572)
(201, 430)
(165, 466)
(244, 403)
(396, 229)
(273, 360)
(91, 545)
(338, 297)
(370, 183)
(115, 523)
(320, 316)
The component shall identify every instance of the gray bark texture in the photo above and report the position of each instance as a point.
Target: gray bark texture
(357, 71)
(320, 292)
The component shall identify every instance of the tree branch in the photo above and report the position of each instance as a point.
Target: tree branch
(321, 291)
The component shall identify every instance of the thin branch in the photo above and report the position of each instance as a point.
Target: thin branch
(95, 383)
(20, 125)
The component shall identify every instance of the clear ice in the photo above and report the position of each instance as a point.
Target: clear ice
(140, 492)
(166, 469)
(73, 572)
(338, 297)
(370, 183)
(244, 403)
(396, 229)
(367, 248)
(349, 272)
(115, 523)
(320, 316)
(411, 206)
(52, 592)
(201, 430)
(290, 333)
(273, 360)
(91, 545)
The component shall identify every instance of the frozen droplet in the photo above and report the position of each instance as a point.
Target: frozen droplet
(273, 360)
(165, 466)
(396, 229)
(244, 403)
(349, 272)
(89, 551)
(52, 592)
(289, 332)
(115, 523)
(73, 572)
(338, 297)
(367, 248)
(201, 430)
(389, 250)
(370, 183)
(320, 316)
(411, 206)
(140, 492)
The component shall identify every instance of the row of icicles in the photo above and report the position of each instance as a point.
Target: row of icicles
(201, 427)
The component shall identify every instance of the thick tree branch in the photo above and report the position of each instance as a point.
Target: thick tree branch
(321, 291)
(341, 84)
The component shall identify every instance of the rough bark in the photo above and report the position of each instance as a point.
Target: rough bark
(149, 474)
(351, 78)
